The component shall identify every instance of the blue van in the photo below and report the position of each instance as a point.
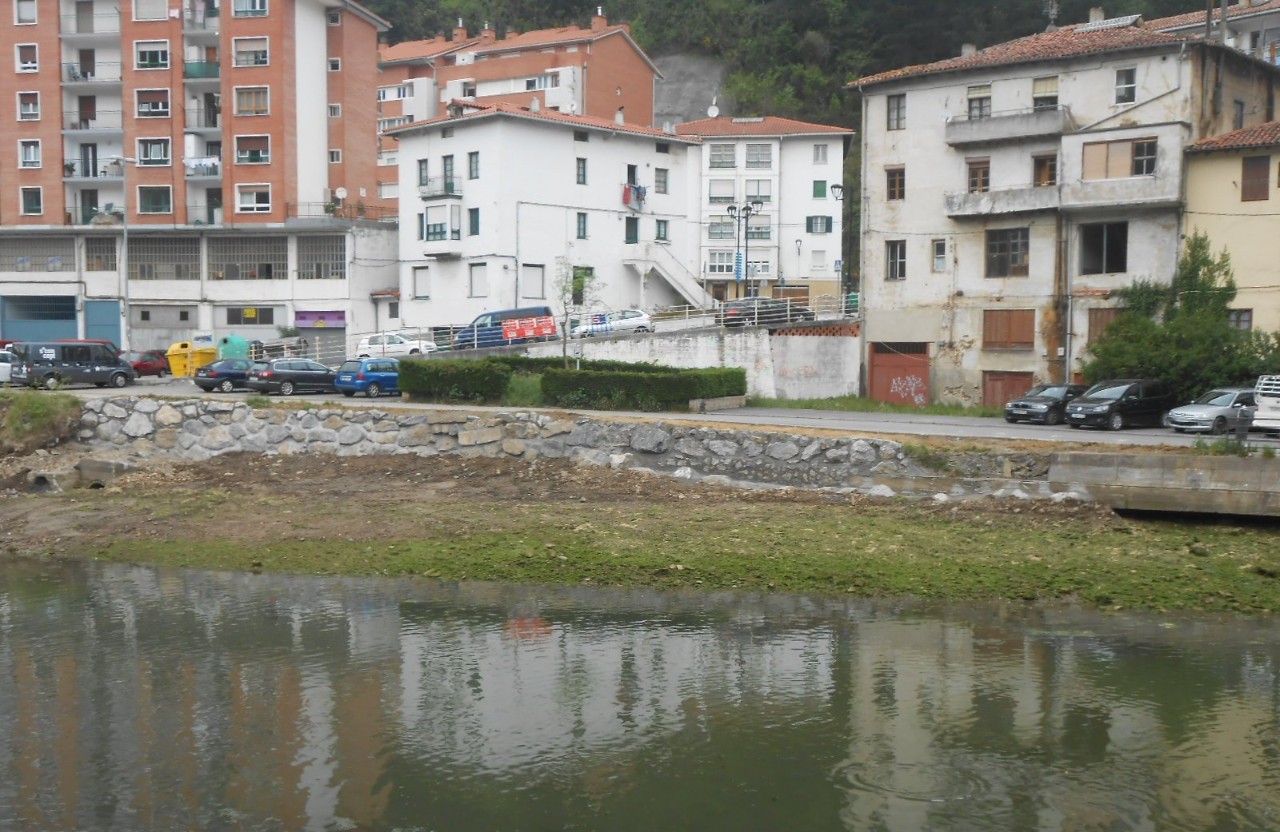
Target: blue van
(506, 327)
(370, 376)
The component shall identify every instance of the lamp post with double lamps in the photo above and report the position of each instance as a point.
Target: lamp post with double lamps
(125, 161)
(741, 215)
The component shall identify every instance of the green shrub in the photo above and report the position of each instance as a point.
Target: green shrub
(31, 419)
(454, 380)
(650, 389)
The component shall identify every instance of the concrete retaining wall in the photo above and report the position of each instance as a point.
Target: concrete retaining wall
(1173, 482)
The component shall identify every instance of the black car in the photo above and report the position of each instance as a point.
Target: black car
(762, 312)
(1046, 403)
(223, 375)
(287, 376)
(1121, 403)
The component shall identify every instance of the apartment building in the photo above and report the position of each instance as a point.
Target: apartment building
(487, 228)
(596, 71)
(768, 206)
(1008, 192)
(180, 166)
(1249, 26)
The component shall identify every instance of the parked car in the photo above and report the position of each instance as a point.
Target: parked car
(7, 361)
(608, 323)
(149, 363)
(385, 344)
(370, 376)
(223, 375)
(287, 376)
(762, 312)
(1216, 412)
(1046, 403)
(506, 327)
(53, 364)
(1121, 403)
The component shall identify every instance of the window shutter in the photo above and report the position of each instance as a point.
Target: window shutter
(1095, 161)
(1044, 86)
(1254, 175)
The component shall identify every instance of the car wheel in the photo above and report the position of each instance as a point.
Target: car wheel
(1179, 430)
(286, 388)
(1115, 421)
(51, 382)
(414, 352)
(642, 329)
(373, 391)
(348, 393)
(119, 380)
(1010, 419)
(363, 355)
(226, 386)
(1074, 426)
(1053, 417)
(1219, 426)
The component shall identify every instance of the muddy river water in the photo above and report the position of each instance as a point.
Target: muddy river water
(139, 699)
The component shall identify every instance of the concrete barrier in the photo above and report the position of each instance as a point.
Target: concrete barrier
(1173, 482)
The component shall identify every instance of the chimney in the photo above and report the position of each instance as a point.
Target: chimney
(1097, 15)
(510, 33)
(599, 21)
(487, 34)
(618, 117)
(459, 32)
(967, 49)
(535, 106)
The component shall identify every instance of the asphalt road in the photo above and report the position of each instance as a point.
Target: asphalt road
(910, 424)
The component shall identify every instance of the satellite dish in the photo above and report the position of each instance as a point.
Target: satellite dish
(340, 193)
(713, 110)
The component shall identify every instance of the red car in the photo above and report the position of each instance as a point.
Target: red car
(151, 363)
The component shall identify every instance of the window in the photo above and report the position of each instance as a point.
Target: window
(432, 226)
(759, 190)
(335, 157)
(661, 180)
(819, 189)
(334, 18)
(1099, 320)
(253, 101)
(253, 150)
(662, 147)
(28, 106)
(895, 183)
(818, 260)
(1241, 319)
(980, 101)
(939, 255)
(722, 156)
(1104, 248)
(631, 230)
(1126, 85)
(1237, 114)
(151, 54)
(759, 228)
(581, 171)
(478, 281)
(1116, 160)
(979, 175)
(582, 225)
(720, 191)
(251, 316)
(32, 201)
(1008, 329)
(28, 57)
(720, 262)
(253, 199)
(1044, 170)
(153, 151)
(29, 153)
(473, 165)
(335, 111)
(1007, 252)
(153, 103)
(897, 112)
(722, 228)
(1044, 93)
(581, 136)
(895, 260)
(335, 64)
(533, 283)
(25, 12)
(660, 230)
(155, 199)
(249, 8)
(818, 225)
(249, 51)
(1255, 178)
(759, 156)
(473, 222)
(819, 154)
(424, 177)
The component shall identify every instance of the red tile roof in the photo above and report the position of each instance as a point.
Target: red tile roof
(1067, 42)
(411, 50)
(473, 111)
(537, 39)
(546, 37)
(725, 126)
(1260, 135)
(1196, 19)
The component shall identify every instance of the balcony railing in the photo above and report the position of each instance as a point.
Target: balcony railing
(440, 187)
(340, 211)
(95, 24)
(1158, 191)
(100, 73)
(101, 120)
(201, 118)
(1009, 125)
(85, 169)
(205, 166)
(1003, 201)
(200, 69)
(201, 19)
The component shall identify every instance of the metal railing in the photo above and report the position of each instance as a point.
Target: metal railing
(94, 24)
(341, 211)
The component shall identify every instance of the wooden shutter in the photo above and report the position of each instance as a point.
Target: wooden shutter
(1255, 172)
(1009, 329)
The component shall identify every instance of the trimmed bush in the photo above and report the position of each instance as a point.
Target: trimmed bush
(651, 389)
(454, 380)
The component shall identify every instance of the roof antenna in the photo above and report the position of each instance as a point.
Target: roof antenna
(1051, 11)
(713, 111)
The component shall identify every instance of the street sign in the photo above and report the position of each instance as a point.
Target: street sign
(737, 266)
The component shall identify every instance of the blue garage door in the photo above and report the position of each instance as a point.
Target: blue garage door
(37, 318)
(102, 320)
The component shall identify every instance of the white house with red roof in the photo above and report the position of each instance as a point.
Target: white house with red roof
(508, 201)
(768, 206)
(1251, 26)
(1008, 192)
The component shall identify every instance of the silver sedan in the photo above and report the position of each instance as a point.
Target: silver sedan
(1217, 411)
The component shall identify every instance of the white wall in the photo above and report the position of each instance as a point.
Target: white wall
(311, 80)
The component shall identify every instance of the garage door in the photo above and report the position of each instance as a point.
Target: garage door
(1000, 387)
(899, 372)
(38, 317)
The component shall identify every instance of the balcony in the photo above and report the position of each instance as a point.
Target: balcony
(200, 70)
(80, 25)
(92, 169)
(109, 121)
(1158, 191)
(1008, 126)
(202, 119)
(440, 187)
(203, 167)
(1004, 201)
(97, 74)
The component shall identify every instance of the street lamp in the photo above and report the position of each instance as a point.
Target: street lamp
(125, 161)
(742, 232)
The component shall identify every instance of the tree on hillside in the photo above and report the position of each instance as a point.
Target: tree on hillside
(1182, 331)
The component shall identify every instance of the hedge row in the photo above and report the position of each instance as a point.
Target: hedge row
(454, 380)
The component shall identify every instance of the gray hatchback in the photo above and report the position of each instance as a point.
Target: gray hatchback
(1218, 411)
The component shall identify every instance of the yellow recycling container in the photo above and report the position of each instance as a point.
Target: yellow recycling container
(185, 357)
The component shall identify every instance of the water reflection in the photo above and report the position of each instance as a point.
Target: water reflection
(133, 698)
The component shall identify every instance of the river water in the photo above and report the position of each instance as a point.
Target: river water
(140, 699)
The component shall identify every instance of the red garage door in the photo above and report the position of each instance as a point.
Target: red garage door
(999, 387)
(899, 372)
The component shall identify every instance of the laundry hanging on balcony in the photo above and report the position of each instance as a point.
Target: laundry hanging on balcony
(633, 195)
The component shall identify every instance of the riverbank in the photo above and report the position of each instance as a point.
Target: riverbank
(554, 521)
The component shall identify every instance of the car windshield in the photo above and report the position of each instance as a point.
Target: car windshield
(1220, 398)
(1107, 391)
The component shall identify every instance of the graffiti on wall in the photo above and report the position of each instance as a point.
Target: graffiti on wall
(909, 389)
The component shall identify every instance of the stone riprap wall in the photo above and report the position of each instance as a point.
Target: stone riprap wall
(198, 429)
